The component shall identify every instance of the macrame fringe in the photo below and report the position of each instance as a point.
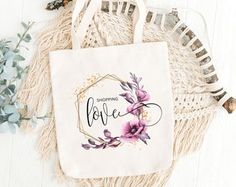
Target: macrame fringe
(155, 179)
(47, 143)
(37, 87)
(189, 132)
(189, 135)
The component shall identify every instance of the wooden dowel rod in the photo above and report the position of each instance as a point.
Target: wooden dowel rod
(230, 105)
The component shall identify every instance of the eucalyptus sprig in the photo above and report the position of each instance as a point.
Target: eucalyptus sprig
(12, 71)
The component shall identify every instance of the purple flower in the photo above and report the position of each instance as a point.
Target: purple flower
(86, 146)
(142, 95)
(135, 130)
(128, 97)
(108, 141)
(135, 95)
(114, 142)
(135, 109)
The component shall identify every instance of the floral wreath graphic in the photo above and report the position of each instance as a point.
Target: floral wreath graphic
(132, 131)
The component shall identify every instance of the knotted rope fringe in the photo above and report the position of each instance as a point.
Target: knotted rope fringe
(151, 180)
(194, 108)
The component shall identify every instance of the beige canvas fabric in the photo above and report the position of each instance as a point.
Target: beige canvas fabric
(113, 106)
(195, 86)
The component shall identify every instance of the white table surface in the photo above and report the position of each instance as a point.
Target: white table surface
(213, 166)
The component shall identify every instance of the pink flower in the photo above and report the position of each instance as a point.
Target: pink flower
(142, 95)
(135, 109)
(134, 130)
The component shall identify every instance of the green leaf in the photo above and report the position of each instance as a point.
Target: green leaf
(20, 72)
(10, 90)
(11, 71)
(7, 99)
(4, 127)
(9, 62)
(10, 109)
(2, 113)
(24, 25)
(1, 70)
(2, 82)
(1, 102)
(19, 105)
(15, 117)
(19, 58)
(16, 50)
(1, 54)
(12, 87)
(9, 54)
(27, 38)
(8, 73)
(2, 97)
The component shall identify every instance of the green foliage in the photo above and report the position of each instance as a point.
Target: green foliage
(11, 73)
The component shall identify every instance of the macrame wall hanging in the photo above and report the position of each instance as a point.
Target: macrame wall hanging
(196, 89)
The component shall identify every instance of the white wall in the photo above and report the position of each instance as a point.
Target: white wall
(213, 166)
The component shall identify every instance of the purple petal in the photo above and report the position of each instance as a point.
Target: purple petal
(101, 139)
(122, 95)
(130, 100)
(139, 79)
(123, 83)
(86, 146)
(131, 75)
(99, 146)
(92, 142)
(115, 144)
(145, 135)
(143, 139)
(107, 133)
(134, 78)
(123, 87)
(130, 85)
(135, 86)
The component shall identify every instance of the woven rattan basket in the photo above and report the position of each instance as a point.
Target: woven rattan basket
(195, 86)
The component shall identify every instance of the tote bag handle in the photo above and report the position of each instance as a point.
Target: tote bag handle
(94, 5)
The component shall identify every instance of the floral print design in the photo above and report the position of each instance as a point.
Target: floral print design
(132, 131)
(106, 142)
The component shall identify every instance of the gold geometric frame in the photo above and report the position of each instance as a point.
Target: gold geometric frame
(81, 94)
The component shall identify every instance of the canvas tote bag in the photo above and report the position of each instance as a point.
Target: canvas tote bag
(113, 105)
